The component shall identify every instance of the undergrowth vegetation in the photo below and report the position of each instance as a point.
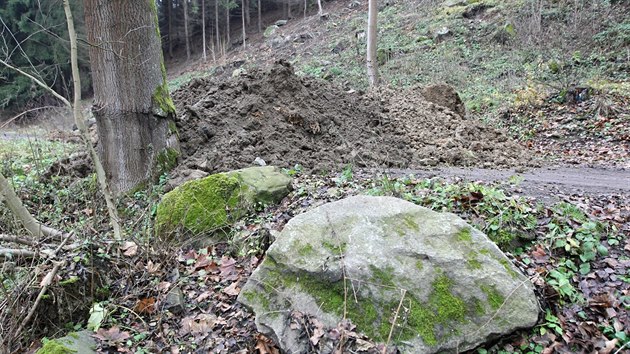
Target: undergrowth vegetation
(495, 53)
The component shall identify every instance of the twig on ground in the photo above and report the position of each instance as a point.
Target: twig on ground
(620, 349)
(391, 329)
(16, 239)
(45, 284)
(16, 252)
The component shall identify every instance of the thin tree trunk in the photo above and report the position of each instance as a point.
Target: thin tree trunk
(169, 3)
(247, 16)
(305, 6)
(80, 122)
(133, 109)
(227, 25)
(259, 17)
(372, 70)
(203, 28)
(216, 23)
(243, 20)
(288, 9)
(186, 29)
(320, 11)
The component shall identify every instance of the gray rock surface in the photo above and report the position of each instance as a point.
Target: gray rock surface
(458, 289)
(76, 342)
(205, 205)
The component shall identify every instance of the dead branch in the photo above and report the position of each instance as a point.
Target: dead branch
(16, 239)
(38, 82)
(23, 113)
(32, 225)
(45, 284)
(16, 252)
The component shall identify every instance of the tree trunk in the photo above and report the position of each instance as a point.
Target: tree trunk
(259, 17)
(288, 9)
(372, 70)
(320, 11)
(216, 23)
(248, 19)
(133, 109)
(305, 6)
(169, 3)
(243, 18)
(227, 26)
(203, 28)
(80, 122)
(186, 34)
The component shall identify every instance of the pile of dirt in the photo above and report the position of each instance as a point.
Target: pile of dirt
(285, 120)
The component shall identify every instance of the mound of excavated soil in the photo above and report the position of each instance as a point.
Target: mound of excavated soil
(287, 120)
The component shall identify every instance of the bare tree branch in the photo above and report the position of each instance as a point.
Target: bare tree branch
(45, 284)
(16, 252)
(16, 239)
(21, 114)
(14, 203)
(38, 82)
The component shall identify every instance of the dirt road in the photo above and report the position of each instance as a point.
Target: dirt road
(544, 182)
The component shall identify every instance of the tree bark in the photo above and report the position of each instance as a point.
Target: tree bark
(288, 9)
(216, 24)
(259, 17)
(372, 70)
(243, 18)
(169, 3)
(305, 6)
(203, 28)
(227, 25)
(133, 109)
(80, 122)
(247, 15)
(320, 10)
(186, 34)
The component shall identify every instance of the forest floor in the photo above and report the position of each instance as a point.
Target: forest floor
(570, 211)
(553, 173)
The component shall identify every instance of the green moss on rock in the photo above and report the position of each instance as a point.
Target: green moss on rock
(419, 264)
(167, 160)
(495, 299)
(432, 320)
(508, 267)
(464, 235)
(201, 205)
(337, 250)
(55, 347)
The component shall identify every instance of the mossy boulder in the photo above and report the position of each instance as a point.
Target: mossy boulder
(77, 342)
(205, 205)
(458, 289)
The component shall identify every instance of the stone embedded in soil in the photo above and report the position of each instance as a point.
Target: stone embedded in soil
(460, 290)
(203, 206)
(287, 120)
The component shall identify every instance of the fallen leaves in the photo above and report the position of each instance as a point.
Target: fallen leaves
(197, 324)
(265, 345)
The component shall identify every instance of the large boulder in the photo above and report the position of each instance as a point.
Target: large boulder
(455, 288)
(205, 205)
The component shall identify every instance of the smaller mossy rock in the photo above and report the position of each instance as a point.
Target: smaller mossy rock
(458, 289)
(270, 31)
(74, 343)
(265, 184)
(208, 204)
